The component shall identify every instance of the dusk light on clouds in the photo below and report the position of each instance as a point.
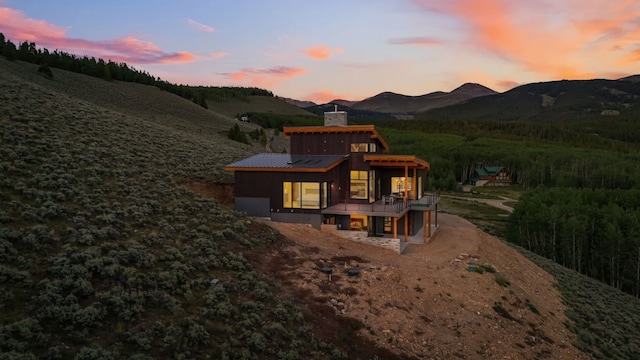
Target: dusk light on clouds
(352, 49)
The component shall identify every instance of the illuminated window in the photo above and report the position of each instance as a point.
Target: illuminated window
(372, 186)
(310, 195)
(397, 184)
(304, 195)
(373, 147)
(325, 195)
(358, 188)
(359, 147)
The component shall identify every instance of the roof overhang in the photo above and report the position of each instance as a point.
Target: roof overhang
(397, 161)
(374, 134)
(291, 167)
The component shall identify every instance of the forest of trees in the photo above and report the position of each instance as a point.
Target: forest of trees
(110, 70)
(595, 232)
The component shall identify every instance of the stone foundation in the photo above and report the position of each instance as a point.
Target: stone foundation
(361, 237)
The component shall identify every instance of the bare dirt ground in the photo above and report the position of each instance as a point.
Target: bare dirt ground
(425, 303)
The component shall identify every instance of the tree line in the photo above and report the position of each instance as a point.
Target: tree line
(110, 70)
(595, 232)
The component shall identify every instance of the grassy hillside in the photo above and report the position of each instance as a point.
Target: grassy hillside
(261, 104)
(104, 254)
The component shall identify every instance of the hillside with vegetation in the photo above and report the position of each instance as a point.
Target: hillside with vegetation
(105, 250)
(106, 253)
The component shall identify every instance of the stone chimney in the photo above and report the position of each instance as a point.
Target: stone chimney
(335, 117)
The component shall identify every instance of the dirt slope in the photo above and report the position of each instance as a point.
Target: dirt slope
(425, 303)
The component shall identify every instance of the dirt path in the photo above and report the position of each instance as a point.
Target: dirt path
(492, 202)
(425, 303)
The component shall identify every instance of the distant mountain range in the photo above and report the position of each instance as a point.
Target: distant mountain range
(564, 100)
(399, 104)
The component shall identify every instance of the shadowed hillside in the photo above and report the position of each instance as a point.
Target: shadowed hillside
(106, 255)
(393, 103)
(564, 101)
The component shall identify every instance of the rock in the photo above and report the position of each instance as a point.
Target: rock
(384, 268)
(333, 302)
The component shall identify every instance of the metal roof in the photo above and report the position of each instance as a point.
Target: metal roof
(287, 162)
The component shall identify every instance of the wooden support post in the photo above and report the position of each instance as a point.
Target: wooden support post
(406, 227)
(406, 183)
(414, 188)
(395, 227)
(429, 221)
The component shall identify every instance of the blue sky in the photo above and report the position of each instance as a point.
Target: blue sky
(350, 49)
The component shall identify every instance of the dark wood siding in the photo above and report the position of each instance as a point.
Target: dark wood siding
(269, 184)
(326, 143)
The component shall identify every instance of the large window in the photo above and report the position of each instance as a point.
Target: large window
(363, 185)
(397, 184)
(372, 186)
(358, 188)
(304, 195)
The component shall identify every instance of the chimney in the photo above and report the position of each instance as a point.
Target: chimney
(335, 118)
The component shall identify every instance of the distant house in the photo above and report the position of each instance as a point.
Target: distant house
(491, 176)
(339, 177)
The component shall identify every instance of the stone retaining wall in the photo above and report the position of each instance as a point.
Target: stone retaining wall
(361, 237)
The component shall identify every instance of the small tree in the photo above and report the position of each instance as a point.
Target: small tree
(45, 70)
(236, 134)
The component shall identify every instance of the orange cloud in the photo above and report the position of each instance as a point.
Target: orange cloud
(506, 85)
(200, 26)
(321, 52)
(265, 77)
(574, 42)
(18, 27)
(323, 96)
(420, 41)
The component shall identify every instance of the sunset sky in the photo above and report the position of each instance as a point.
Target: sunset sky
(349, 49)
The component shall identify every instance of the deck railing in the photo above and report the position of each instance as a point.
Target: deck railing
(398, 205)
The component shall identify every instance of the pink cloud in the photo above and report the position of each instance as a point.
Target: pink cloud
(323, 96)
(18, 27)
(321, 52)
(266, 77)
(218, 54)
(200, 26)
(420, 41)
(578, 38)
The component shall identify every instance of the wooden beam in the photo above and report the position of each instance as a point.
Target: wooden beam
(429, 221)
(406, 226)
(413, 185)
(395, 227)
(406, 182)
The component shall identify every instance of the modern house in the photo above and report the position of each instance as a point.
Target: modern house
(339, 177)
(491, 176)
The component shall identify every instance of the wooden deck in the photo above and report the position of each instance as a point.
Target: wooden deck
(385, 208)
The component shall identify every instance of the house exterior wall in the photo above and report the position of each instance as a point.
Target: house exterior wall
(328, 143)
(315, 220)
(268, 185)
